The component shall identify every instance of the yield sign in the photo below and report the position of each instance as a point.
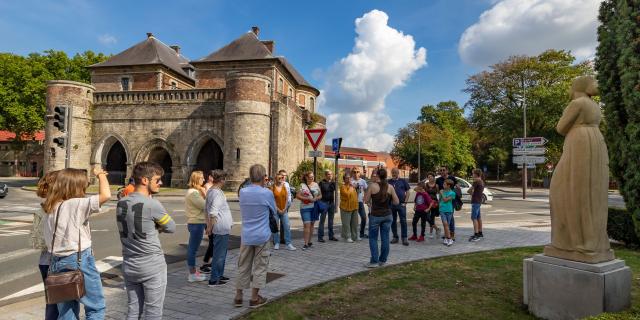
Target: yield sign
(315, 136)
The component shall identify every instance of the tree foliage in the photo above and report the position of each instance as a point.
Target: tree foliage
(24, 81)
(295, 179)
(617, 63)
(498, 98)
(445, 139)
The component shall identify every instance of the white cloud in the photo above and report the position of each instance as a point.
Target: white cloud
(107, 39)
(355, 88)
(529, 27)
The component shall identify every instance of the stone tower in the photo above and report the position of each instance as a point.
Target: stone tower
(247, 119)
(78, 98)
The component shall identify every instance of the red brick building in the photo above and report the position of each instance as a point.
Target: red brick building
(364, 159)
(25, 159)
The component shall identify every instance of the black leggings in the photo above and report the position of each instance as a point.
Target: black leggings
(419, 215)
(209, 253)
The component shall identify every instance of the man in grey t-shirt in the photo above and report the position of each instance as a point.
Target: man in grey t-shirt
(140, 218)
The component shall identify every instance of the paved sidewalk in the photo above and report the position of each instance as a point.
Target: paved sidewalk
(297, 269)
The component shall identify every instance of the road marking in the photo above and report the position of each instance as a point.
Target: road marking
(10, 233)
(528, 199)
(102, 265)
(16, 254)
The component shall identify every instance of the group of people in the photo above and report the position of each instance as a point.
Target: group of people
(62, 229)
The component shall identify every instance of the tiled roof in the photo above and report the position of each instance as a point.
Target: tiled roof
(349, 150)
(247, 47)
(149, 52)
(6, 136)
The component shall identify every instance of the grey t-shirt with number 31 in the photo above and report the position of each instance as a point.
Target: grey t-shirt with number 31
(139, 220)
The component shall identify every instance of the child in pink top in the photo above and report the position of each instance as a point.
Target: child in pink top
(423, 204)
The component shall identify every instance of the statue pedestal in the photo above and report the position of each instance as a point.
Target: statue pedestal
(563, 289)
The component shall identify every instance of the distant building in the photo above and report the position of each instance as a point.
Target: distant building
(364, 159)
(24, 159)
(233, 108)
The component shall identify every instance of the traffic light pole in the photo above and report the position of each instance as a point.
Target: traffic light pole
(67, 159)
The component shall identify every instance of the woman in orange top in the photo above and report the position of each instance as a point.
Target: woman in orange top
(282, 194)
(349, 209)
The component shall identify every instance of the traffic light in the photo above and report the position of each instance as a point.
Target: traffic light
(59, 141)
(60, 118)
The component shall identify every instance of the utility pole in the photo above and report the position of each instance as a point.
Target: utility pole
(419, 152)
(524, 124)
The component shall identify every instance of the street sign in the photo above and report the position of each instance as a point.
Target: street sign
(335, 144)
(528, 151)
(316, 153)
(315, 136)
(529, 166)
(530, 141)
(529, 159)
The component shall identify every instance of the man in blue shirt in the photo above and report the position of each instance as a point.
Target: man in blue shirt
(256, 204)
(401, 187)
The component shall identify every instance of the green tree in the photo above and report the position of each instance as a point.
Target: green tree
(24, 82)
(498, 158)
(445, 139)
(617, 63)
(295, 179)
(499, 95)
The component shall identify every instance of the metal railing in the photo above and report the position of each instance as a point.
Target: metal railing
(180, 95)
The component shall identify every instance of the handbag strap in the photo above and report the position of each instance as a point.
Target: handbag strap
(53, 240)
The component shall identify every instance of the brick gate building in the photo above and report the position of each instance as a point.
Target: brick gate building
(238, 106)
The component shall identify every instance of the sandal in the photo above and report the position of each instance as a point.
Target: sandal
(237, 302)
(256, 303)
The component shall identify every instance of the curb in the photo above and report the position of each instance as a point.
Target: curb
(160, 195)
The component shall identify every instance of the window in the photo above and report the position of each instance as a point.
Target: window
(125, 84)
(312, 104)
(174, 85)
(290, 92)
(280, 85)
(237, 153)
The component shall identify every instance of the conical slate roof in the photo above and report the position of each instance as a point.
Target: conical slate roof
(247, 47)
(148, 52)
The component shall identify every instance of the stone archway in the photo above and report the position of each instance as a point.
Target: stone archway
(116, 164)
(209, 157)
(162, 157)
(161, 152)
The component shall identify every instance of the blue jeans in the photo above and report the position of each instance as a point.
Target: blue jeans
(51, 310)
(399, 210)
(363, 218)
(306, 215)
(196, 230)
(219, 256)
(330, 212)
(381, 225)
(475, 211)
(285, 226)
(93, 300)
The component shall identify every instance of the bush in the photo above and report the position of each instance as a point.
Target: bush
(307, 165)
(621, 228)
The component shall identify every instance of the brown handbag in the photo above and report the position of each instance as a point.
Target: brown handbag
(64, 286)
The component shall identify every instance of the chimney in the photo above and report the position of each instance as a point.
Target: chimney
(269, 44)
(176, 49)
(149, 35)
(255, 31)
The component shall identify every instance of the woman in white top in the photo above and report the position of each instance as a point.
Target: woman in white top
(219, 224)
(309, 193)
(67, 204)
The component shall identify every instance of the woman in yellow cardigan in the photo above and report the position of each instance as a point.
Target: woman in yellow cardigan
(349, 209)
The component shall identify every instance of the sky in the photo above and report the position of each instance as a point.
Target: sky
(375, 62)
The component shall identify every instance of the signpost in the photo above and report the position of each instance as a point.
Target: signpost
(315, 137)
(526, 151)
(336, 143)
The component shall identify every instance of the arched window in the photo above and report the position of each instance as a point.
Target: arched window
(312, 104)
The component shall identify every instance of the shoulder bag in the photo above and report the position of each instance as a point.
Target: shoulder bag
(64, 286)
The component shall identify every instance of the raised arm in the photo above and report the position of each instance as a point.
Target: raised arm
(104, 192)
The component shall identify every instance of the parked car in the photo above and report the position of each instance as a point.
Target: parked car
(4, 189)
(487, 195)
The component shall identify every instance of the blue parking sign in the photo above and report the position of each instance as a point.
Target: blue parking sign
(335, 145)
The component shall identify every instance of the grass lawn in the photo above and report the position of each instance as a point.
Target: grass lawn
(486, 285)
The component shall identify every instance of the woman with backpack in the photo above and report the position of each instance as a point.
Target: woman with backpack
(68, 234)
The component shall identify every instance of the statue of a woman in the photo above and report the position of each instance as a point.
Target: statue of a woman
(579, 186)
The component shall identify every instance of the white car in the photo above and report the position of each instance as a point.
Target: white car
(464, 187)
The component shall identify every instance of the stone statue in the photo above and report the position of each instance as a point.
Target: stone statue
(579, 186)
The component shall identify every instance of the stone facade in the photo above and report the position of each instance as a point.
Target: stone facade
(230, 115)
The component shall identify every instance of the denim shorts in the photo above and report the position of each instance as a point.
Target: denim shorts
(307, 215)
(475, 211)
(446, 217)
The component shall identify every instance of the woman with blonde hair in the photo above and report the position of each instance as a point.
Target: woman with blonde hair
(196, 222)
(37, 237)
(67, 221)
(309, 193)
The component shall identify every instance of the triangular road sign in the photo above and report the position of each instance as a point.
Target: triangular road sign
(315, 136)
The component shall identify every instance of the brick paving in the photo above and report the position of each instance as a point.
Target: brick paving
(325, 262)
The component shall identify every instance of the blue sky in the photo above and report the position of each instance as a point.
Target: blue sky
(314, 36)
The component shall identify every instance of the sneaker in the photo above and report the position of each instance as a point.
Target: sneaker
(475, 239)
(480, 235)
(305, 247)
(334, 239)
(472, 238)
(413, 238)
(223, 278)
(430, 235)
(276, 246)
(193, 277)
(256, 303)
(290, 247)
(359, 239)
(366, 236)
(449, 242)
(445, 241)
(205, 269)
(395, 240)
(382, 264)
(321, 240)
(217, 284)
(349, 240)
(371, 265)
(421, 239)
(405, 242)
(310, 244)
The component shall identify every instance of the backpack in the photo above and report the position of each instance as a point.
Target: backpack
(457, 202)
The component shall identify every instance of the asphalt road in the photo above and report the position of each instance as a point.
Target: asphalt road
(18, 262)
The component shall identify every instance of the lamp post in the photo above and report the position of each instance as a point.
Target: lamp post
(524, 125)
(419, 153)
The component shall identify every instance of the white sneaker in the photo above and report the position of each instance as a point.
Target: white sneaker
(290, 247)
(193, 277)
(449, 242)
(349, 240)
(430, 235)
(276, 246)
(371, 265)
(359, 239)
(444, 241)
